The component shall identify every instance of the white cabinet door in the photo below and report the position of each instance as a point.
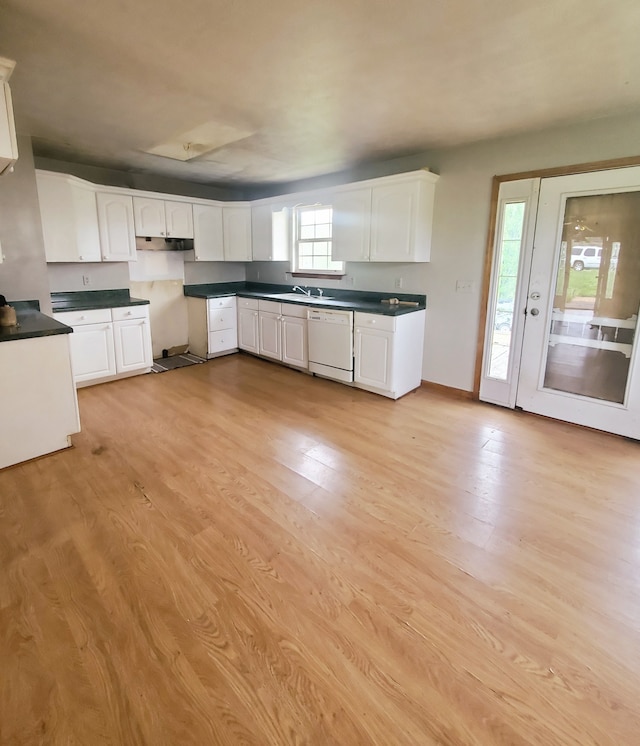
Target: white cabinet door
(261, 233)
(208, 240)
(69, 218)
(179, 219)
(117, 231)
(401, 219)
(8, 141)
(248, 329)
(149, 217)
(269, 335)
(294, 342)
(351, 225)
(269, 233)
(373, 357)
(237, 233)
(162, 218)
(92, 352)
(393, 217)
(132, 340)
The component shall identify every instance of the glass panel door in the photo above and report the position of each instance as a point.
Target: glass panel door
(579, 357)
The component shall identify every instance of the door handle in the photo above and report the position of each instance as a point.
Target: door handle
(534, 312)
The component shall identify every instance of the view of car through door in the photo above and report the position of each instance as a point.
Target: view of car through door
(579, 360)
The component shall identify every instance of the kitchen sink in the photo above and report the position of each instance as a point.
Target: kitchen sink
(300, 297)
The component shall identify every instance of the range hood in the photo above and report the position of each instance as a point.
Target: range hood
(164, 244)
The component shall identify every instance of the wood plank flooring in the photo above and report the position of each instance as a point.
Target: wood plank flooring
(236, 553)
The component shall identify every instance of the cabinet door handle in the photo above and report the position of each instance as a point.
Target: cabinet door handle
(162, 233)
(81, 258)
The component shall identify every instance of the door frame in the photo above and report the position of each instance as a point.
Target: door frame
(578, 168)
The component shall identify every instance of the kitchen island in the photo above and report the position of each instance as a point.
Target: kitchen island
(38, 403)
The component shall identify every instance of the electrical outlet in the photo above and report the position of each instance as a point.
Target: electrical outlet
(399, 283)
(86, 280)
(463, 286)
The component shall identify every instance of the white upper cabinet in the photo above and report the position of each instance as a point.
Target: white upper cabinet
(162, 218)
(270, 232)
(115, 222)
(69, 218)
(351, 224)
(237, 233)
(385, 220)
(394, 223)
(8, 141)
(179, 219)
(208, 242)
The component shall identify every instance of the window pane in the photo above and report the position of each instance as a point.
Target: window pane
(509, 248)
(307, 217)
(323, 231)
(595, 311)
(307, 231)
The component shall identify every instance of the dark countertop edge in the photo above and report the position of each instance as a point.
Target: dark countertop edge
(220, 290)
(88, 300)
(32, 324)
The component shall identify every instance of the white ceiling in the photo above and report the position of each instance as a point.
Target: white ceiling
(322, 85)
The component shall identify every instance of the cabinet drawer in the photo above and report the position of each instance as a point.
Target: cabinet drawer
(269, 306)
(374, 321)
(251, 303)
(222, 318)
(226, 302)
(293, 309)
(124, 313)
(223, 340)
(78, 318)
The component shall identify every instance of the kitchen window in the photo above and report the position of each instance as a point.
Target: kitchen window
(312, 243)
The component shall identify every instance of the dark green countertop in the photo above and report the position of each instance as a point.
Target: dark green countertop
(347, 300)
(87, 300)
(31, 323)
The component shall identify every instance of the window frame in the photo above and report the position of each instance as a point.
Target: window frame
(311, 272)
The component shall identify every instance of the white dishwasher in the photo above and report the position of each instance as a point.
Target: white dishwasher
(331, 344)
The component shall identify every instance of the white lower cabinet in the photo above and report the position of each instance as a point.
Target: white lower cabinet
(92, 351)
(388, 352)
(213, 326)
(273, 330)
(132, 341)
(295, 346)
(248, 325)
(108, 343)
(269, 329)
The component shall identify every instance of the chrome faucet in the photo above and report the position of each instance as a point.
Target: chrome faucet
(320, 292)
(297, 287)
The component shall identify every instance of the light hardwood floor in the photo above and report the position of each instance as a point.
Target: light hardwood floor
(236, 553)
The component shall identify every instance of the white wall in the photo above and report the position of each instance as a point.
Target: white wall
(65, 277)
(461, 222)
(23, 274)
